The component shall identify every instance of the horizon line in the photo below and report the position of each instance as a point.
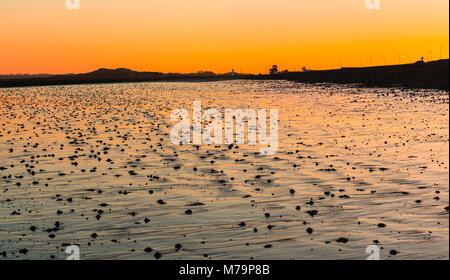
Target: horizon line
(209, 71)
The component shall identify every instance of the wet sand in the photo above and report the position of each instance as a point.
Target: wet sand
(93, 165)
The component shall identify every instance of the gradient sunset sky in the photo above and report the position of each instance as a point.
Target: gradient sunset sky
(42, 36)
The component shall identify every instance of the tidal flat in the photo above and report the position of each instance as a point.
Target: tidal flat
(94, 166)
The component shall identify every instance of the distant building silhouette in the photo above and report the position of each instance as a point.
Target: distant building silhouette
(420, 61)
(274, 70)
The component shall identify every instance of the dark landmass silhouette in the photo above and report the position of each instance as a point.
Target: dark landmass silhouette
(421, 75)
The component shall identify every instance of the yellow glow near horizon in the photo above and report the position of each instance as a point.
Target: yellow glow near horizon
(42, 36)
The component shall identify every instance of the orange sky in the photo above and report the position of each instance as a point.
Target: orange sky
(42, 36)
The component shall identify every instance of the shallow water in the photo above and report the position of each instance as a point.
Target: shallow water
(102, 156)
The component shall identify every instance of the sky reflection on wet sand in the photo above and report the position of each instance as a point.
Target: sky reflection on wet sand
(98, 159)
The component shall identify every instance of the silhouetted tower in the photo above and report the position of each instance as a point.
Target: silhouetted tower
(274, 70)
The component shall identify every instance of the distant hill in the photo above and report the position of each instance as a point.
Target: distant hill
(104, 75)
(108, 74)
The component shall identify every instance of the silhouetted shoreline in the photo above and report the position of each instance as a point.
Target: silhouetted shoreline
(419, 75)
